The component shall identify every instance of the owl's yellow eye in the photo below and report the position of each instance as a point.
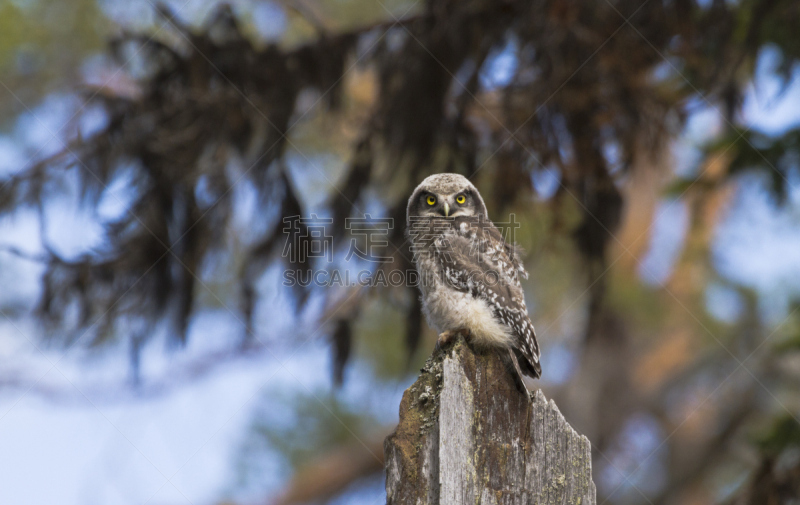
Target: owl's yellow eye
(431, 200)
(460, 199)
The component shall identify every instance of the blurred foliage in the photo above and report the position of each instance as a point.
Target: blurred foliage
(564, 113)
(784, 433)
(773, 156)
(791, 341)
(42, 47)
(299, 427)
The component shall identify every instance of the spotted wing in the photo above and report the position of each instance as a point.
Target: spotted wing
(473, 257)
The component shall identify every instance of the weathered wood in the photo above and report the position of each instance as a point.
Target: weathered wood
(468, 436)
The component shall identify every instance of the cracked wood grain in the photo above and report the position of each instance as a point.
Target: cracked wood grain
(468, 436)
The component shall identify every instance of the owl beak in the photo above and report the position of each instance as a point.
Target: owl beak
(446, 209)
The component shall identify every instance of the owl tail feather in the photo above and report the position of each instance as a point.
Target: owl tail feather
(510, 360)
(535, 368)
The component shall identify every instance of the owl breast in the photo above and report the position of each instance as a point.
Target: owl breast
(447, 308)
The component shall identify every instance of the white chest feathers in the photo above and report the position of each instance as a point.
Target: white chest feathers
(446, 308)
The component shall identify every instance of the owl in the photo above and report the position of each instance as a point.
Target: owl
(468, 274)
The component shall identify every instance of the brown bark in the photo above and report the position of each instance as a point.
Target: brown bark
(467, 435)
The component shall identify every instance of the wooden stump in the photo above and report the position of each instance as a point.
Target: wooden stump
(468, 436)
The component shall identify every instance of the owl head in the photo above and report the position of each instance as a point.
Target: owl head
(446, 195)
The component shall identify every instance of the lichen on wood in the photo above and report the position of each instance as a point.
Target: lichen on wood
(467, 435)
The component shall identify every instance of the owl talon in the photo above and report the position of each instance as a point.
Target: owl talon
(446, 337)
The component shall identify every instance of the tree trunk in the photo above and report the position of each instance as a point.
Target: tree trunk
(468, 436)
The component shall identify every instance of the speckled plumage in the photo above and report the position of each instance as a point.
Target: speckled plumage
(469, 275)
